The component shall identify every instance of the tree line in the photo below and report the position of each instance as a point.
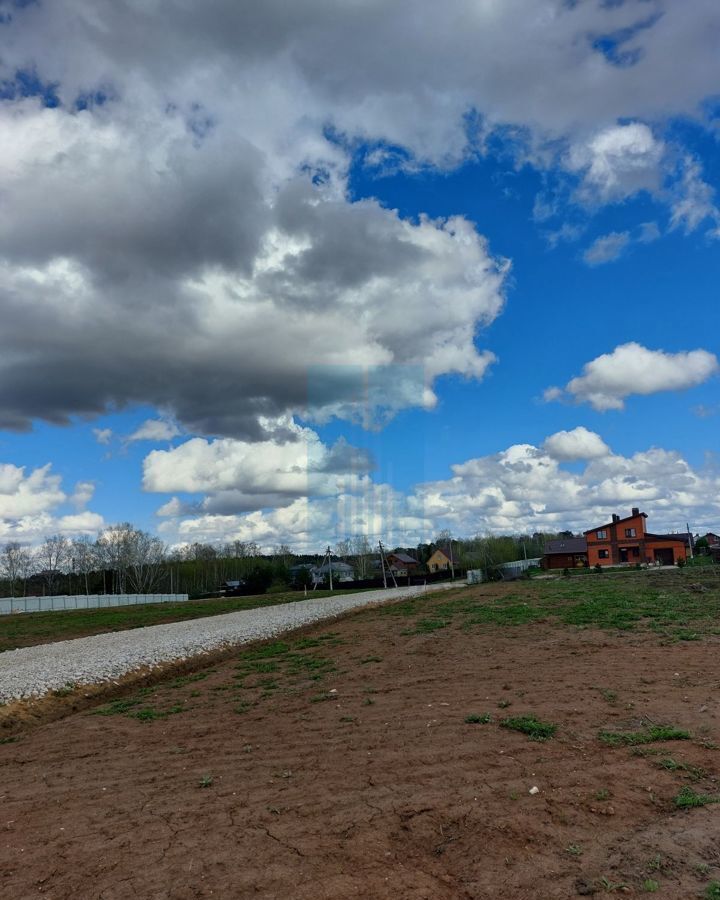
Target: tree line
(124, 559)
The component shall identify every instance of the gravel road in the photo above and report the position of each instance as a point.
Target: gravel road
(34, 671)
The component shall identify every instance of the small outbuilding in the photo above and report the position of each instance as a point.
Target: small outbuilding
(566, 553)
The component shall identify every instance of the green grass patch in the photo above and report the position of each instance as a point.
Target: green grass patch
(684, 634)
(117, 707)
(276, 648)
(694, 773)
(621, 601)
(531, 726)
(478, 719)
(647, 736)
(689, 799)
(150, 714)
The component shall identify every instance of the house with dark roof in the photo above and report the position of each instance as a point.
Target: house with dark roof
(565, 553)
(627, 541)
(401, 563)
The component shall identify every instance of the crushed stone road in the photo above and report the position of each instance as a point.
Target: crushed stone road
(35, 671)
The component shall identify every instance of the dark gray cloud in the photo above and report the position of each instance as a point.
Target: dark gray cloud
(190, 242)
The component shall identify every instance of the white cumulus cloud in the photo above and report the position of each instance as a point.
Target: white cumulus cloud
(618, 162)
(633, 369)
(237, 476)
(577, 444)
(524, 488)
(32, 505)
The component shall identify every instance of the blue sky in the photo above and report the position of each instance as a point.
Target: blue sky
(210, 246)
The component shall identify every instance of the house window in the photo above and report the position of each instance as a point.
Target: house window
(636, 551)
(601, 535)
(603, 554)
(629, 532)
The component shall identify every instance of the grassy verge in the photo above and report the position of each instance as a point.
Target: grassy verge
(27, 629)
(677, 605)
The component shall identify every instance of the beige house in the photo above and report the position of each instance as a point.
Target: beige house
(438, 562)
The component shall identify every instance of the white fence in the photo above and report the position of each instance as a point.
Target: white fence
(518, 566)
(82, 601)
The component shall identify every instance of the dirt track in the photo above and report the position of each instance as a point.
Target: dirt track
(343, 767)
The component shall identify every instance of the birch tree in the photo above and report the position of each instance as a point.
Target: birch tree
(53, 557)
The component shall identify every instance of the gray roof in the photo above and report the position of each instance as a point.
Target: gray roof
(337, 566)
(566, 545)
(403, 557)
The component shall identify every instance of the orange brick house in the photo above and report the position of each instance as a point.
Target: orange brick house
(628, 541)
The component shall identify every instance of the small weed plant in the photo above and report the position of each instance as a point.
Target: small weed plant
(478, 719)
(689, 799)
(531, 726)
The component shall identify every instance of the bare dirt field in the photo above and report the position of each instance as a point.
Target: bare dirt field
(339, 763)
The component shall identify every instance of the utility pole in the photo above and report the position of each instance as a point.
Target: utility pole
(330, 566)
(383, 560)
(690, 538)
(452, 561)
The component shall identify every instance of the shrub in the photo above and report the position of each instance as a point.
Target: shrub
(598, 567)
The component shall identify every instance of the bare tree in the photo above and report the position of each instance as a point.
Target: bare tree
(53, 556)
(11, 559)
(362, 551)
(84, 558)
(135, 557)
(343, 548)
(145, 558)
(283, 554)
(112, 548)
(26, 566)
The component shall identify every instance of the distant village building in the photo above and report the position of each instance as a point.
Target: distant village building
(341, 571)
(438, 562)
(314, 574)
(401, 564)
(622, 541)
(565, 553)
